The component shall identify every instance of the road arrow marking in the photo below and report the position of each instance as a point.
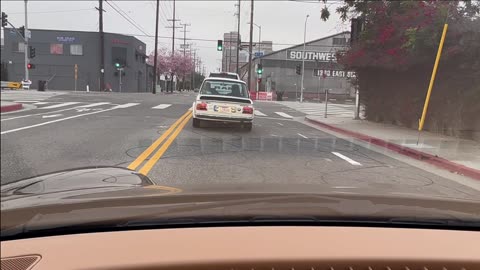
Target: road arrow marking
(51, 116)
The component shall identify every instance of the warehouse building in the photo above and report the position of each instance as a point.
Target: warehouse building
(59, 53)
(321, 70)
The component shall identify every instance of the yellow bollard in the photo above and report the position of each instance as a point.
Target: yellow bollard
(432, 79)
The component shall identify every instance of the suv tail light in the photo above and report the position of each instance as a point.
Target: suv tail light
(248, 110)
(202, 106)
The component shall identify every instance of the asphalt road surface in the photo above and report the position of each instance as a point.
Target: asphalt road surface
(69, 130)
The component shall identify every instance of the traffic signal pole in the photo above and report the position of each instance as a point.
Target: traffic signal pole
(26, 43)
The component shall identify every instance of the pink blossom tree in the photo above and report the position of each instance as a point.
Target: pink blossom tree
(166, 64)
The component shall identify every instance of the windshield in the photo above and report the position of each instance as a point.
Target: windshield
(224, 88)
(160, 101)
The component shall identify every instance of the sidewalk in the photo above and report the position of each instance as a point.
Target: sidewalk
(453, 154)
(7, 106)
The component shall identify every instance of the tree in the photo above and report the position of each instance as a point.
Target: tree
(401, 34)
(166, 64)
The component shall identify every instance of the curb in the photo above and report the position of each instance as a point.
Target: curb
(11, 107)
(422, 156)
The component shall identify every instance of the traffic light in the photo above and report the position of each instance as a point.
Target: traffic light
(117, 65)
(30, 66)
(219, 45)
(298, 69)
(4, 19)
(31, 52)
(22, 31)
(259, 69)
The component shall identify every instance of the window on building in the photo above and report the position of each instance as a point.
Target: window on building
(76, 49)
(21, 47)
(339, 41)
(56, 48)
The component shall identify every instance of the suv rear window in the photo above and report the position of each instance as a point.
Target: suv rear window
(224, 88)
(224, 75)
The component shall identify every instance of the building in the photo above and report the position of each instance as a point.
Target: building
(58, 53)
(321, 70)
(229, 54)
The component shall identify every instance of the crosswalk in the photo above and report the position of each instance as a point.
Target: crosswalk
(340, 110)
(288, 113)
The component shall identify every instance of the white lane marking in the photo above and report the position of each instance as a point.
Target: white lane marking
(280, 124)
(54, 121)
(51, 116)
(83, 109)
(40, 103)
(259, 113)
(59, 105)
(94, 104)
(162, 106)
(327, 159)
(349, 160)
(126, 105)
(282, 114)
(26, 101)
(35, 114)
(303, 136)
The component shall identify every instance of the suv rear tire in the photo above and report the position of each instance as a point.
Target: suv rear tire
(196, 123)
(248, 126)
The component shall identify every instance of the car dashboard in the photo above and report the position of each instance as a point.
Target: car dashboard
(268, 247)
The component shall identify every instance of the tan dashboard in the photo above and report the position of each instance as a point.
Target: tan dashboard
(329, 248)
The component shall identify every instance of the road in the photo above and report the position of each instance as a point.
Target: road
(67, 130)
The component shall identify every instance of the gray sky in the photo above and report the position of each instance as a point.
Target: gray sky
(282, 21)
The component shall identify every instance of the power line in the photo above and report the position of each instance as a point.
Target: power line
(141, 30)
(54, 11)
(127, 15)
(215, 40)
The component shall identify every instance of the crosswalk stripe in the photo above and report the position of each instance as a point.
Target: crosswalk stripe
(282, 114)
(60, 105)
(26, 101)
(126, 105)
(259, 113)
(162, 106)
(94, 104)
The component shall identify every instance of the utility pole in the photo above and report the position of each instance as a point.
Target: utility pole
(173, 42)
(250, 47)
(154, 90)
(102, 45)
(184, 37)
(194, 67)
(184, 46)
(26, 42)
(238, 38)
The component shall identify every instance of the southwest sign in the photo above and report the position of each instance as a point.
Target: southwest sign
(311, 56)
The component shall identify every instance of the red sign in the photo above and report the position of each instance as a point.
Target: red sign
(118, 41)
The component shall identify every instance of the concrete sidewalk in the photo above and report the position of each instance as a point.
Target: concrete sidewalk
(453, 154)
(7, 106)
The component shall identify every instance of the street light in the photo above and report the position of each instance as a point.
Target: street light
(303, 57)
(259, 35)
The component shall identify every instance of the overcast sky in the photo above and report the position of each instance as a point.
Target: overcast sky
(282, 22)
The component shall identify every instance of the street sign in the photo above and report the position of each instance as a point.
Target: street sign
(76, 71)
(258, 54)
(184, 46)
(29, 34)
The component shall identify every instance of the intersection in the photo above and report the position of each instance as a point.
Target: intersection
(153, 135)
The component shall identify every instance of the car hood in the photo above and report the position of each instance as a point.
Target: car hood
(109, 194)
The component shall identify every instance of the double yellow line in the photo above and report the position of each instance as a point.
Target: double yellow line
(174, 130)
